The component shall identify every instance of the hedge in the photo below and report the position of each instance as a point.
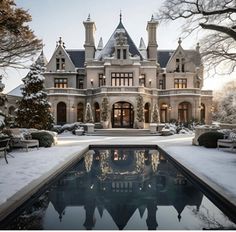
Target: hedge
(45, 139)
(209, 139)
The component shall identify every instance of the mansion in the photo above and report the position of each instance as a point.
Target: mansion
(121, 71)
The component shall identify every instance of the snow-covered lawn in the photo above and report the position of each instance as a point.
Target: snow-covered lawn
(217, 166)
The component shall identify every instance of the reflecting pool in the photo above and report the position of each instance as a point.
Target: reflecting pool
(122, 188)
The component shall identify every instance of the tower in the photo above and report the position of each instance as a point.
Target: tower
(152, 42)
(89, 44)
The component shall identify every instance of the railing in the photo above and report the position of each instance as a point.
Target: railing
(128, 89)
(179, 91)
(66, 91)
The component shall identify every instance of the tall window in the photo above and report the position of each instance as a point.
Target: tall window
(121, 79)
(118, 53)
(177, 65)
(142, 80)
(182, 64)
(180, 83)
(60, 83)
(60, 63)
(101, 80)
(161, 84)
(124, 54)
(80, 81)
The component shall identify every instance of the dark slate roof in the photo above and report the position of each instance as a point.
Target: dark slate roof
(164, 56)
(77, 57)
(110, 46)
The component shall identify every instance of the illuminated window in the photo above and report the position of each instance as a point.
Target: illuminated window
(122, 79)
(101, 80)
(180, 83)
(60, 83)
(142, 80)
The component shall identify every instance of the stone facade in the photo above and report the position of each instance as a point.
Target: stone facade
(120, 71)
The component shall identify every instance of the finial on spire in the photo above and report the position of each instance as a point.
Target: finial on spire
(179, 41)
(152, 18)
(88, 19)
(120, 16)
(198, 47)
(60, 41)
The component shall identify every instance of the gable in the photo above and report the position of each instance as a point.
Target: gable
(60, 53)
(109, 48)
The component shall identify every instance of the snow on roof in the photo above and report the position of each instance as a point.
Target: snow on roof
(16, 91)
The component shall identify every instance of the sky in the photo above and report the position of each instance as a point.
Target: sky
(54, 18)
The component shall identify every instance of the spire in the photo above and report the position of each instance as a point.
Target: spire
(100, 44)
(142, 45)
(179, 41)
(120, 16)
(88, 19)
(41, 60)
(198, 47)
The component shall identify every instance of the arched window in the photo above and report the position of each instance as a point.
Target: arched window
(61, 113)
(147, 112)
(203, 112)
(11, 111)
(96, 112)
(80, 112)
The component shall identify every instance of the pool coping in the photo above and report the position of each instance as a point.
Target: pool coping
(24, 194)
(206, 185)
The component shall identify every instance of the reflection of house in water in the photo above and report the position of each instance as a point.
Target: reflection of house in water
(138, 186)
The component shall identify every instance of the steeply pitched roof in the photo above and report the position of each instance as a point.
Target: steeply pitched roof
(110, 46)
(165, 55)
(16, 91)
(77, 56)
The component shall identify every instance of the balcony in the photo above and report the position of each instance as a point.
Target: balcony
(66, 91)
(171, 92)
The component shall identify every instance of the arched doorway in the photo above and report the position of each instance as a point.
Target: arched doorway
(122, 115)
(96, 112)
(202, 113)
(80, 112)
(184, 112)
(163, 115)
(61, 113)
(147, 113)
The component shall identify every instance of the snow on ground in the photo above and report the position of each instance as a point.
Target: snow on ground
(218, 166)
(28, 166)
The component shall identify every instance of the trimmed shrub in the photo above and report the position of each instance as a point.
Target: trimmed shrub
(45, 139)
(209, 139)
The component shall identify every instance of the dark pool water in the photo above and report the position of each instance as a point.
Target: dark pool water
(131, 189)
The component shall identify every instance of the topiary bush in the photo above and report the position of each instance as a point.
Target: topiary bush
(209, 139)
(45, 139)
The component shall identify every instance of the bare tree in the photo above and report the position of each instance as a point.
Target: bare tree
(17, 41)
(217, 18)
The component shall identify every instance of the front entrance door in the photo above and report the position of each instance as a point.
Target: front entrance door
(122, 115)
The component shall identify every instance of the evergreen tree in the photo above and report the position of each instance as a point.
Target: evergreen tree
(140, 110)
(104, 109)
(155, 114)
(88, 114)
(34, 109)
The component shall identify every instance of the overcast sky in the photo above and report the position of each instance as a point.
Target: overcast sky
(54, 18)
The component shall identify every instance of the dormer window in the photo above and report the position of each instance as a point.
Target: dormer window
(118, 54)
(124, 54)
(60, 63)
(177, 65)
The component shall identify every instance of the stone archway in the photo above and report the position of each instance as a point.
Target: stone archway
(122, 115)
(80, 112)
(163, 113)
(184, 112)
(61, 113)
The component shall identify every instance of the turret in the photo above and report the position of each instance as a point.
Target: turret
(152, 42)
(89, 44)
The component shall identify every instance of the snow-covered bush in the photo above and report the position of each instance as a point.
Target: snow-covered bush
(155, 114)
(88, 114)
(209, 139)
(140, 109)
(45, 139)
